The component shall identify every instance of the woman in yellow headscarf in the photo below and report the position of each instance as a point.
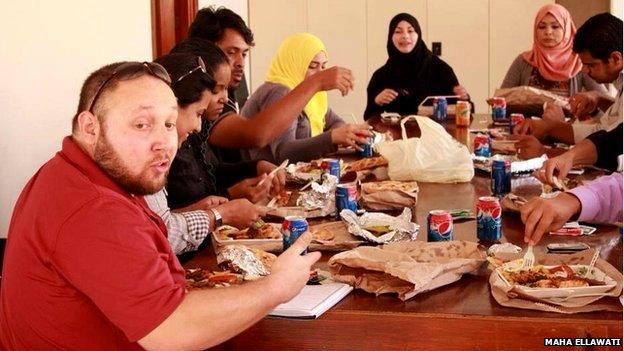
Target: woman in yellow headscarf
(317, 130)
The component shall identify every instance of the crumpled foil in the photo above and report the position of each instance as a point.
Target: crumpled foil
(320, 195)
(503, 248)
(240, 259)
(402, 229)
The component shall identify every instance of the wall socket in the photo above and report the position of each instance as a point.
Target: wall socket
(436, 48)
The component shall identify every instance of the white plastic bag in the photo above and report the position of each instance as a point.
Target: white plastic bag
(434, 157)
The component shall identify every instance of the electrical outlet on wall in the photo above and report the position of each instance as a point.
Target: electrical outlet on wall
(436, 48)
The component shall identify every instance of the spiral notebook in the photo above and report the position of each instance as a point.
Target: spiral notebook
(312, 301)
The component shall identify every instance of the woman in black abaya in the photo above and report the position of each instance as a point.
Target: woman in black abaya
(411, 73)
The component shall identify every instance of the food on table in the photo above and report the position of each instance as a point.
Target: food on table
(322, 235)
(198, 278)
(258, 230)
(378, 230)
(266, 258)
(283, 199)
(261, 230)
(562, 276)
(407, 187)
(251, 262)
(366, 163)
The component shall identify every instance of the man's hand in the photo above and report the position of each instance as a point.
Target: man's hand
(541, 215)
(584, 103)
(554, 113)
(529, 147)
(555, 167)
(291, 270)
(351, 135)
(385, 97)
(536, 127)
(279, 180)
(334, 78)
(251, 188)
(240, 213)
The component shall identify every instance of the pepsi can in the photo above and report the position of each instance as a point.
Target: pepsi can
(367, 149)
(501, 177)
(346, 198)
(514, 120)
(439, 108)
(331, 166)
(482, 145)
(499, 109)
(292, 228)
(439, 226)
(489, 219)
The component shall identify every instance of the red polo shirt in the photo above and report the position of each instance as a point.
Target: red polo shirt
(87, 265)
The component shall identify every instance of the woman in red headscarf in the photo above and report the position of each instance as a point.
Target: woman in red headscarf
(551, 64)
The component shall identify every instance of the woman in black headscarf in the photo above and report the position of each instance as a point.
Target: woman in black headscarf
(411, 73)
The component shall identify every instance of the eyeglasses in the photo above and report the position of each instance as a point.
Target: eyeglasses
(127, 69)
(200, 66)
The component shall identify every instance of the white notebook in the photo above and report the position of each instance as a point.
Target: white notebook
(312, 301)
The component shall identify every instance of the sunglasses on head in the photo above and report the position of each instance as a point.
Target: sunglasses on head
(128, 68)
(200, 67)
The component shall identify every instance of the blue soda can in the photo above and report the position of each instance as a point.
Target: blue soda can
(499, 109)
(331, 166)
(439, 108)
(482, 145)
(501, 177)
(367, 149)
(439, 226)
(292, 228)
(514, 120)
(346, 198)
(489, 219)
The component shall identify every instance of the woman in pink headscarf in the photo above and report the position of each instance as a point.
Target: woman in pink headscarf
(551, 64)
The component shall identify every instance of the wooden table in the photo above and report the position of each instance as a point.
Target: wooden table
(460, 316)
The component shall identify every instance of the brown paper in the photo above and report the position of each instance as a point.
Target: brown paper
(406, 268)
(377, 197)
(343, 240)
(512, 297)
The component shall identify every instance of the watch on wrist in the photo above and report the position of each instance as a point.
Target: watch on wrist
(218, 218)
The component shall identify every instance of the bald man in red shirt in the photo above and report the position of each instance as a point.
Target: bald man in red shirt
(87, 264)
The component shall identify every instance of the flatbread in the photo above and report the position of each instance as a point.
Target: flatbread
(373, 187)
(322, 235)
(366, 163)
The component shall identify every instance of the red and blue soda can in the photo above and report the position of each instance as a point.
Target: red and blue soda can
(499, 109)
(501, 177)
(331, 166)
(439, 108)
(292, 228)
(367, 149)
(439, 226)
(482, 145)
(489, 219)
(514, 120)
(346, 198)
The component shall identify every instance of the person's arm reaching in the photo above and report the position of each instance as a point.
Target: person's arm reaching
(185, 230)
(236, 131)
(601, 200)
(583, 153)
(206, 318)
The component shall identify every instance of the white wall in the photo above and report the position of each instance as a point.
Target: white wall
(480, 38)
(239, 7)
(617, 8)
(47, 49)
